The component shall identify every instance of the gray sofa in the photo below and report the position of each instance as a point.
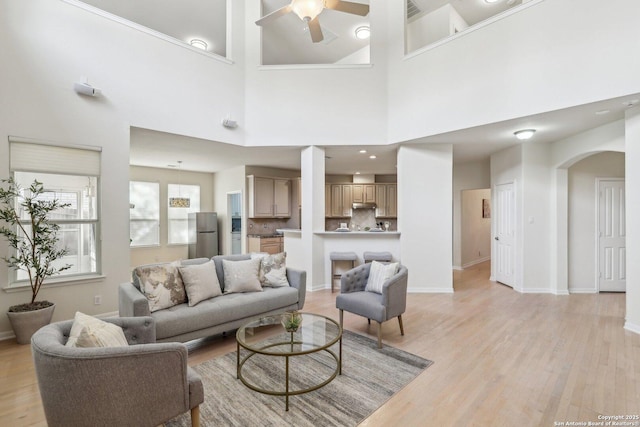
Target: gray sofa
(216, 315)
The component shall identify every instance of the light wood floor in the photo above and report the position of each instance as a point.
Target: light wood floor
(501, 358)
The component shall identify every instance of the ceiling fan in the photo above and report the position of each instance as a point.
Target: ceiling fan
(308, 11)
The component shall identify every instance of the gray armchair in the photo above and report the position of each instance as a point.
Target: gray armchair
(392, 302)
(144, 384)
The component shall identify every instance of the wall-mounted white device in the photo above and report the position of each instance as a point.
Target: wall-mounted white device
(84, 88)
(228, 123)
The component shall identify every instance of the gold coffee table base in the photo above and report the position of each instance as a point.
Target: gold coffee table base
(294, 347)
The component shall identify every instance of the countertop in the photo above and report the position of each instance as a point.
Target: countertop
(264, 236)
(359, 233)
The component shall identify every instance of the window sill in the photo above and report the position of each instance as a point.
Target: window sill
(55, 283)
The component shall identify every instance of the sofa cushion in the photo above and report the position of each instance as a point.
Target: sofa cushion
(89, 331)
(379, 274)
(273, 270)
(200, 282)
(135, 279)
(162, 285)
(241, 276)
(182, 319)
(217, 260)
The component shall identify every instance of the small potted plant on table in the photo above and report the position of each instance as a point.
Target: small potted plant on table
(33, 241)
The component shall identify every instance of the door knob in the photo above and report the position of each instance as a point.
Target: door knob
(497, 238)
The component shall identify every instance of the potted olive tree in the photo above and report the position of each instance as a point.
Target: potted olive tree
(33, 241)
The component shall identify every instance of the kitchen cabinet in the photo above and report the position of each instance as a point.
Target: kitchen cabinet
(341, 200)
(269, 197)
(386, 200)
(269, 244)
(364, 193)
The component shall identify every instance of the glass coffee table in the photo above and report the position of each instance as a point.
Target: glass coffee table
(267, 336)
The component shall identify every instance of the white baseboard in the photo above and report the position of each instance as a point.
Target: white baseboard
(458, 268)
(632, 327)
(582, 291)
(563, 292)
(535, 291)
(7, 335)
(477, 261)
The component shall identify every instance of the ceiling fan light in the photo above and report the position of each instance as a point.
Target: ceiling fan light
(524, 133)
(307, 9)
(363, 32)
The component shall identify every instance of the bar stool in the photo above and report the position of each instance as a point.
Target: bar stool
(377, 256)
(340, 256)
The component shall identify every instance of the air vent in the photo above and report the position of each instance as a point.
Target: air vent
(412, 9)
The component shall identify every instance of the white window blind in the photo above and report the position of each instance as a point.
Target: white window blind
(37, 157)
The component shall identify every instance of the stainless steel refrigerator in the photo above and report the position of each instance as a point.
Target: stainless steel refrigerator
(203, 234)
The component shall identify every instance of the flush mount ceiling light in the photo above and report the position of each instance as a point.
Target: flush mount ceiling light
(363, 151)
(200, 44)
(373, 156)
(363, 32)
(491, 1)
(524, 133)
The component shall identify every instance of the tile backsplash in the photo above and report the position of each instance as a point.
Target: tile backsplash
(360, 217)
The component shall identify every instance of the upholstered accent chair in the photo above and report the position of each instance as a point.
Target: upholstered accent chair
(144, 384)
(390, 303)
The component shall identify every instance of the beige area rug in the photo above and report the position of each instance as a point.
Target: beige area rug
(370, 376)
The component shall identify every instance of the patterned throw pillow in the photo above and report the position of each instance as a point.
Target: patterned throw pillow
(241, 276)
(162, 285)
(273, 270)
(88, 331)
(200, 282)
(379, 274)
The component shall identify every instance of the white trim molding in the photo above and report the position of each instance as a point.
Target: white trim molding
(632, 327)
(430, 290)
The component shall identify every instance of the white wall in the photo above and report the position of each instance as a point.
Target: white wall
(425, 215)
(632, 160)
(476, 230)
(166, 252)
(582, 216)
(428, 28)
(466, 176)
(540, 59)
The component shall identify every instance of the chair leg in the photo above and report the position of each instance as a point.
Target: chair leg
(379, 334)
(401, 327)
(369, 321)
(341, 318)
(195, 416)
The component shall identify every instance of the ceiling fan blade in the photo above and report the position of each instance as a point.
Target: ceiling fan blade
(274, 15)
(315, 30)
(348, 7)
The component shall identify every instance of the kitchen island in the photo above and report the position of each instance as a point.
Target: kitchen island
(336, 241)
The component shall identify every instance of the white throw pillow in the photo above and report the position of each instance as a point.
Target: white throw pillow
(241, 276)
(162, 285)
(200, 282)
(88, 331)
(273, 270)
(379, 274)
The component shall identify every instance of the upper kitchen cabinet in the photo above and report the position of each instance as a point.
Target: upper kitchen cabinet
(269, 197)
(364, 193)
(386, 200)
(341, 200)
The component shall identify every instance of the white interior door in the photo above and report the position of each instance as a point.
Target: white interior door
(504, 212)
(611, 236)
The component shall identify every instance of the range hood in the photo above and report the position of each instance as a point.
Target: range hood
(369, 205)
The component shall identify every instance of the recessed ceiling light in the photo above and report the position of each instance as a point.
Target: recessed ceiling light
(363, 32)
(363, 151)
(491, 1)
(373, 156)
(602, 112)
(200, 44)
(357, 173)
(524, 133)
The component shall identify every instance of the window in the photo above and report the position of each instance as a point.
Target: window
(71, 175)
(178, 229)
(144, 213)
